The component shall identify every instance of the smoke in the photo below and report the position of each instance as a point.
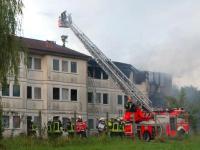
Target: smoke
(179, 56)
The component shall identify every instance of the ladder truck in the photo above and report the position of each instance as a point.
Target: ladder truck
(139, 116)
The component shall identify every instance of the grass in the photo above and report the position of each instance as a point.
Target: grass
(101, 143)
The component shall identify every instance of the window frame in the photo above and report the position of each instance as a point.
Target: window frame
(54, 98)
(64, 99)
(30, 91)
(93, 126)
(67, 62)
(100, 98)
(19, 94)
(92, 97)
(31, 62)
(36, 87)
(19, 125)
(74, 100)
(7, 86)
(3, 118)
(58, 60)
(107, 99)
(121, 100)
(76, 69)
(40, 66)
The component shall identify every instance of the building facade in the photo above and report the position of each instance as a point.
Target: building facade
(59, 81)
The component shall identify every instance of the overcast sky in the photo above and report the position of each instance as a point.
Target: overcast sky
(155, 35)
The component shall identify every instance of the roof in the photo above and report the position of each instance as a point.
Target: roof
(51, 48)
(139, 76)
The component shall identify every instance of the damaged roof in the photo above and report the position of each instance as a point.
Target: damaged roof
(51, 48)
(139, 76)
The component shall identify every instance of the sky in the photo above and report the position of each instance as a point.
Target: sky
(154, 35)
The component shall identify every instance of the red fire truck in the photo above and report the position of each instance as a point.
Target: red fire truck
(171, 123)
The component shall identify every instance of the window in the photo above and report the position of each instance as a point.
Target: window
(90, 97)
(91, 123)
(73, 95)
(65, 94)
(29, 62)
(105, 76)
(73, 67)
(29, 92)
(34, 63)
(97, 73)
(5, 90)
(36, 120)
(119, 99)
(16, 90)
(37, 93)
(105, 98)
(56, 93)
(98, 98)
(16, 121)
(37, 63)
(55, 64)
(90, 72)
(65, 66)
(125, 99)
(5, 122)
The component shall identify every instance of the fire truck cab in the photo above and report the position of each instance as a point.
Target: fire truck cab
(174, 122)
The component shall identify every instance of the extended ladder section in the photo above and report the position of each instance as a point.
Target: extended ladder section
(128, 87)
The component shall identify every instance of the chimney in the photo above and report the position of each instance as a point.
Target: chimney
(64, 39)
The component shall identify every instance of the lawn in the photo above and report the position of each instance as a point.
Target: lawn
(101, 143)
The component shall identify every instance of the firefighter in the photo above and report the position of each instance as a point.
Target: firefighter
(129, 106)
(101, 126)
(81, 127)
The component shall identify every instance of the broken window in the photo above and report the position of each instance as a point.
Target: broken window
(65, 94)
(105, 76)
(5, 122)
(29, 92)
(16, 121)
(37, 63)
(37, 93)
(90, 72)
(74, 67)
(97, 73)
(5, 90)
(73, 95)
(16, 90)
(65, 66)
(98, 98)
(119, 99)
(56, 93)
(90, 97)
(55, 64)
(105, 98)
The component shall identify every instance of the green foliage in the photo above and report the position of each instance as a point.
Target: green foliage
(10, 25)
(1, 125)
(96, 143)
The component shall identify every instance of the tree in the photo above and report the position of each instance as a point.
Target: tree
(10, 26)
(1, 124)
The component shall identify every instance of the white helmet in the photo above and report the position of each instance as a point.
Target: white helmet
(79, 117)
(101, 119)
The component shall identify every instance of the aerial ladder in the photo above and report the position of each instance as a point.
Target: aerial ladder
(128, 87)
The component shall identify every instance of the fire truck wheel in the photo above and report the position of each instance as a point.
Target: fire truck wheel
(146, 136)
